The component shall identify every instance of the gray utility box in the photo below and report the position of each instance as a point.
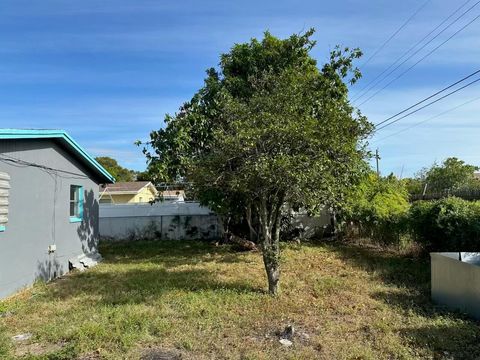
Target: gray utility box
(456, 281)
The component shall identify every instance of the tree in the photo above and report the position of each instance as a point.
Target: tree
(451, 175)
(378, 198)
(118, 172)
(269, 129)
(414, 185)
(143, 176)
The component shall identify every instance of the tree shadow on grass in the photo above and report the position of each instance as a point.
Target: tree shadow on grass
(170, 253)
(140, 286)
(451, 336)
(392, 268)
(408, 278)
(455, 341)
(143, 272)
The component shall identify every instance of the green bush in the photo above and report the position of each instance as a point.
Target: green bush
(450, 224)
(378, 209)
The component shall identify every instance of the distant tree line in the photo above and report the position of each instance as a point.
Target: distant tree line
(381, 208)
(452, 177)
(120, 173)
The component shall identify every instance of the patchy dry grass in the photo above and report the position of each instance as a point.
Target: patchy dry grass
(196, 301)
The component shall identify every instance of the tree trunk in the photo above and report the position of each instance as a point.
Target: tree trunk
(333, 223)
(269, 237)
(273, 273)
(248, 217)
(226, 224)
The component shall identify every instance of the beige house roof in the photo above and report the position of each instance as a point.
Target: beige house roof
(127, 188)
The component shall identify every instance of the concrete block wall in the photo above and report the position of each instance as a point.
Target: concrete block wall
(172, 221)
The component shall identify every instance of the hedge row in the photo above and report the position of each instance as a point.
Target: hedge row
(450, 224)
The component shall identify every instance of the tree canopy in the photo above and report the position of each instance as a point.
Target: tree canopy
(118, 172)
(268, 128)
(452, 174)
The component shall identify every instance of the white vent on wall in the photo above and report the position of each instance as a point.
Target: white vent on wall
(4, 191)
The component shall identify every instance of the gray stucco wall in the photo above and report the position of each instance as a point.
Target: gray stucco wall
(39, 214)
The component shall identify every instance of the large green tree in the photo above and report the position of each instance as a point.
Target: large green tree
(115, 169)
(452, 174)
(269, 128)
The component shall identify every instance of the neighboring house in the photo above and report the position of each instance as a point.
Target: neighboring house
(128, 192)
(173, 195)
(48, 205)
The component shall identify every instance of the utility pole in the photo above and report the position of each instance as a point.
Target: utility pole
(377, 157)
(424, 190)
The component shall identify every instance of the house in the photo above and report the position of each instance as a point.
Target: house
(48, 206)
(128, 192)
(173, 195)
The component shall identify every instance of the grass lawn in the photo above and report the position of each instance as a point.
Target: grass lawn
(199, 301)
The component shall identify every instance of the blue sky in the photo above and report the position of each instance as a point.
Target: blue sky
(108, 70)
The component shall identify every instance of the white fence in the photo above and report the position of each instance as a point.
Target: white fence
(163, 220)
(182, 220)
(456, 281)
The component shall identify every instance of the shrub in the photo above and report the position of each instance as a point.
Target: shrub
(450, 224)
(378, 209)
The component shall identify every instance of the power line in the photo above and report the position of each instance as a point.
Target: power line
(362, 92)
(430, 103)
(429, 97)
(429, 119)
(18, 162)
(395, 33)
(421, 59)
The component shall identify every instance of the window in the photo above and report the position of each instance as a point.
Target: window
(76, 203)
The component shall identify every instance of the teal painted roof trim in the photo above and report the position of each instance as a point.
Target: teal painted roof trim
(63, 136)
